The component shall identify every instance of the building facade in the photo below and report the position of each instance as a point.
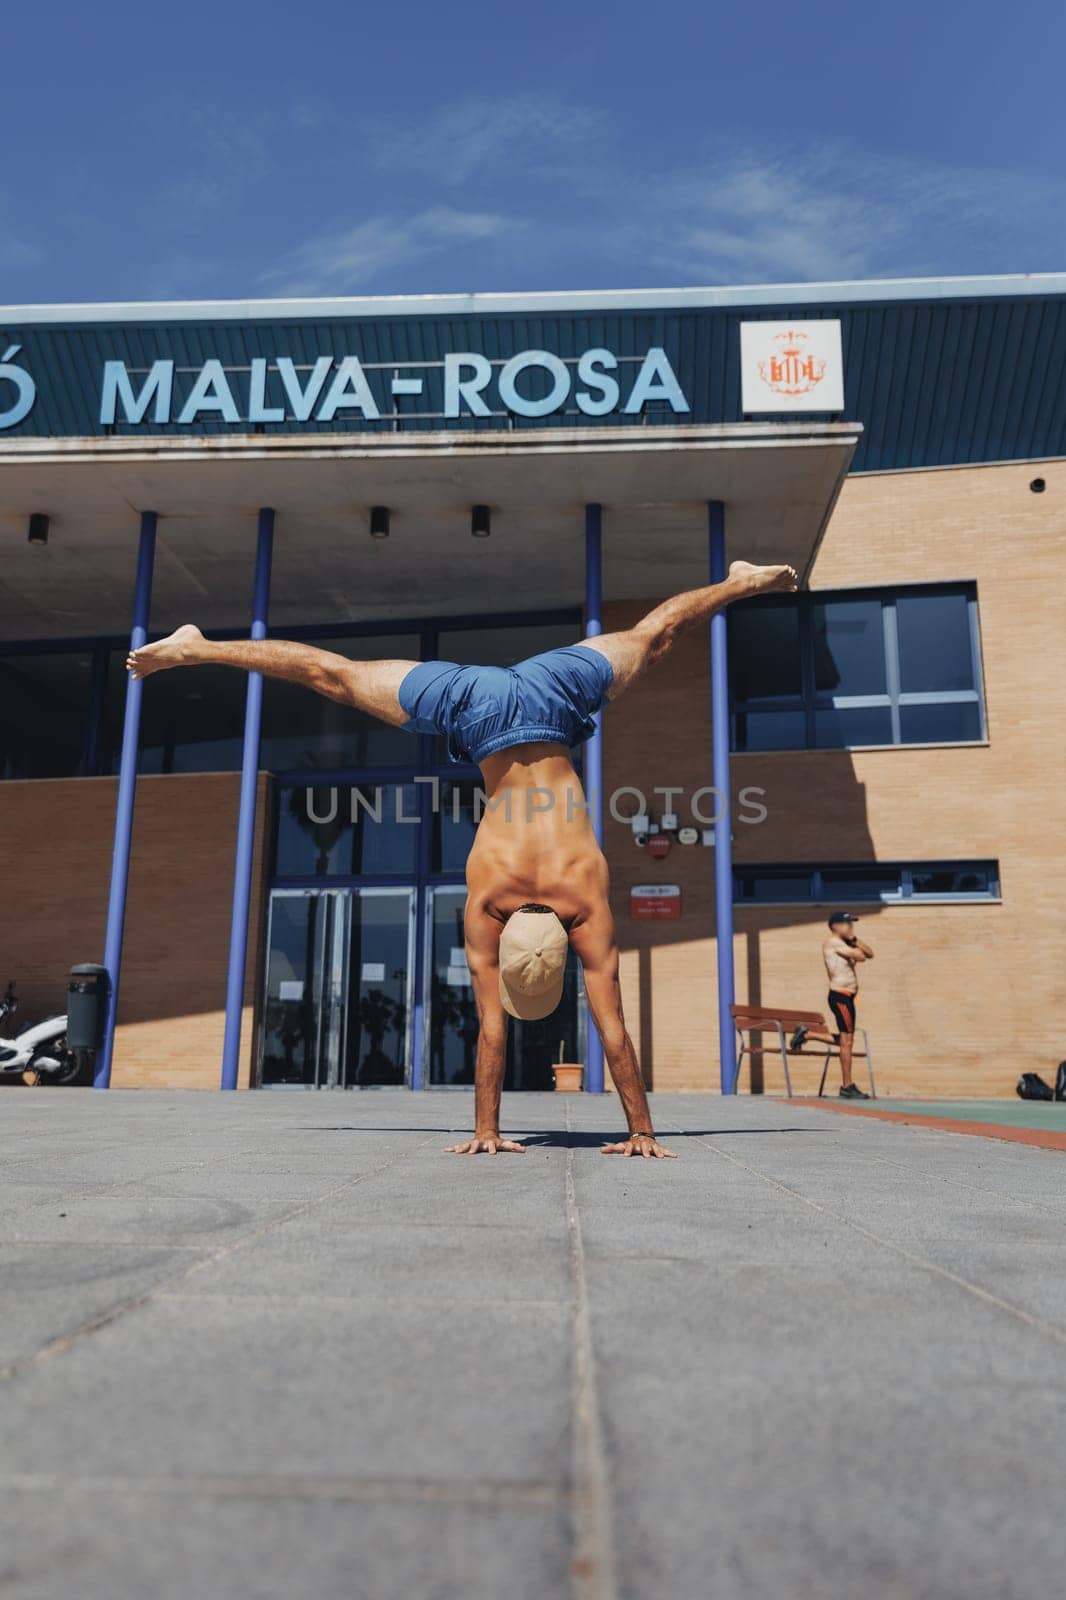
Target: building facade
(888, 741)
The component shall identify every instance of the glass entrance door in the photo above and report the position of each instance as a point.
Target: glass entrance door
(532, 1047)
(338, 989)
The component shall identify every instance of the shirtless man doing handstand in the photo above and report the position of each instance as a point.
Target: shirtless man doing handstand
(536, 878)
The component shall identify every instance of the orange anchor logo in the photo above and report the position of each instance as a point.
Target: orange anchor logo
(791, 370)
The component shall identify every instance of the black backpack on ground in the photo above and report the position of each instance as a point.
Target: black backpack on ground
(1031, 1085)
(1060, 1082)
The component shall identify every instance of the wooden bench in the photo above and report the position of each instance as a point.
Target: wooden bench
(752, 1021)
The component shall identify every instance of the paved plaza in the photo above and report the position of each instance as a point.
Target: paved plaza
(262, 1345)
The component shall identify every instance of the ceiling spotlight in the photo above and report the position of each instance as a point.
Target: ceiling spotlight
(379, 522)
(480, 522)
(38, 533)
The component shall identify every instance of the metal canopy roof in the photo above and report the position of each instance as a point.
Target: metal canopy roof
(779, 483)
(847, 291)
(940, 372)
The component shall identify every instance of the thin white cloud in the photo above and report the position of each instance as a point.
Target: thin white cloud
(348, 260)
(507, 136)
(540, 192)
(821, 212)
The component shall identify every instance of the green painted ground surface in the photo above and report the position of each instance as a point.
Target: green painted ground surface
(1040, 1114)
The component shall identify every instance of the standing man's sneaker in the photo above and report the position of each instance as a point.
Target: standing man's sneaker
(798, 1039)
(851, 1091)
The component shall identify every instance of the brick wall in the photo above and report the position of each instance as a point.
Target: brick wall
(57, 838)
(960, 998)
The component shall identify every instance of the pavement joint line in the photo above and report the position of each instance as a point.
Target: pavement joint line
(592, 1564)
(261, 1486)
(59, 1345)
(1054, 1332)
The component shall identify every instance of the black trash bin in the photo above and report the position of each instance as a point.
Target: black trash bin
(86, 1006)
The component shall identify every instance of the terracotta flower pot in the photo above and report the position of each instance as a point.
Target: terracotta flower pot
(567, 1078)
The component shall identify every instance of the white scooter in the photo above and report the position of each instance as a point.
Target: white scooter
(39, 1054)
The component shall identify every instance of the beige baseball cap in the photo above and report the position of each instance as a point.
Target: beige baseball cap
(533, 947)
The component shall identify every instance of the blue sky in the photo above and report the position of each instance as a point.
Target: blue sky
(233, 149)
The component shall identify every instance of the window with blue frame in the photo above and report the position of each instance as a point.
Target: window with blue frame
(62, 703)
(828, 670)
(355, 830)
(45, 723)
(191, 721)
(845, 883)
(302, 731)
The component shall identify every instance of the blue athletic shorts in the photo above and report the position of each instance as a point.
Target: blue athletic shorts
(550, 698)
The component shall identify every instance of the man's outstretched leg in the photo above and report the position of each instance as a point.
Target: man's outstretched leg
(371, 686)
(632, 652)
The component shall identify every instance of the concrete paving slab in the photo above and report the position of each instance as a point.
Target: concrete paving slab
(285, 1342)
(48, 1290)
(404, 1390)
(491, 1264)
(125, 1541)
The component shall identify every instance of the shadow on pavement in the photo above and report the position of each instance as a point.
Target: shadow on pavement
(579, 1138)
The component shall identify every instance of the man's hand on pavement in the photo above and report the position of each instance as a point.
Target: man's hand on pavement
(640, 1144)
(486, 1144)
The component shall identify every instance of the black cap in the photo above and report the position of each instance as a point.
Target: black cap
(842, 916)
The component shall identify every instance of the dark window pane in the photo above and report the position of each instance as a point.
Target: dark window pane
(347, 831)
(44, 710)
(946, 723)
(291, 1020)
(503, 647)
(456, 827)
(772, 883)
(192, 720)
(764, 654)
(849, 648)
(302, 731)
(934, 642)
(976, 877)
(377, 989)
(387, 828)
(838, 728)
(770, 730)
(859, 883)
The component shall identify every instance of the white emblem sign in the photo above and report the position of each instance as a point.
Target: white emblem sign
(791, 366)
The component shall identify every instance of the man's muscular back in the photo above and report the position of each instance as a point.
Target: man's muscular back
(535, 842)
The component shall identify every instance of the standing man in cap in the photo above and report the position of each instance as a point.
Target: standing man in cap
(842, 951)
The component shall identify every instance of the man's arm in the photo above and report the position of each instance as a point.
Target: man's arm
(483, 959)
(594, 943)
(852, 952)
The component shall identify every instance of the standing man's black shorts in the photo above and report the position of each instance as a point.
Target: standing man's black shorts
(842, 1005)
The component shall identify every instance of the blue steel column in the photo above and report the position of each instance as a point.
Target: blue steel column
(594, 746)
(242, 869)
(127, 784)
(723, 829)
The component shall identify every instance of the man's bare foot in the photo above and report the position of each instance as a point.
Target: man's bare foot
(176, 650)
(763, 580)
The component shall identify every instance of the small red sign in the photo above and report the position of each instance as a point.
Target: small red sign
(658, 845)
(655, 902)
